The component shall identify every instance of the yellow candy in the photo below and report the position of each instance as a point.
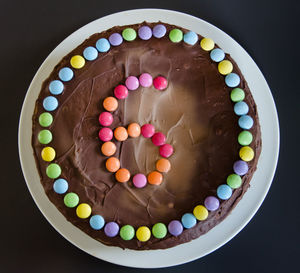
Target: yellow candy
(83, 210)
(200, 212)
(225, 67)
(246, 153)
(48, 154)
(207, 44)
(143, 234)
(77, 61)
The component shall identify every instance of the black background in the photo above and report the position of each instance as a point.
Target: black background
(268, 30)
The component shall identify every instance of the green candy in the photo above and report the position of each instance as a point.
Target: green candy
(159, 230)
(176, 35)
(245, 138)
(45, 119)
(53, 170)
(129, 34)
(71, 200)
(237, 94)
(234, 181)
(127, 232)
(45, 136)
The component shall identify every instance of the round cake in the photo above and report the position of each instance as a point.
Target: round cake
(146, 136)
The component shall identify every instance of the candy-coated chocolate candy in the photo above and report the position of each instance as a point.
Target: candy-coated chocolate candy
(147, 130)
(60, 186)
(139, 180)
(246, 153)
(122, 175)
(240, 167)
(241, 108)
(83, 210)
(145, 32)
(159, 31)
(105, 134)
(112, 164)
(234, 181)
(145, 80)
(166, 150)
(175, 227)
(102, 45)
(217, 55)
(163, 165)
(245, 122)
(48, 154)
(211, 203)
(232, 80)
(245, 138)
(106, 119)
(53, 170)
(108, 148)
(56, 87)
(50, 103)
(155, 178)
(110, 104)
(77, 61)
(127, 232)
(121, 92)
(159, 230)
(176, 35)
(129, 34)
(190, 38)
(45, 136)
(132, 83)
(115, 39)
(90, 53)
(134, 130)
(225, 67)
(66, 74)
(200, 212)
(207, 44)
(71, 200)
(45, 119)
(143, 234)
(160, 83)
(158, 139)
(188, 220)
(111, 229)
(224, 192)
(237, 94)
(97, 222)
(120, 134)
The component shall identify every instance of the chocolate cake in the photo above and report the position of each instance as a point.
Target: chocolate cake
(203, 107)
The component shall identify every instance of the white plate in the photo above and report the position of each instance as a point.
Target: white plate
(245, 209)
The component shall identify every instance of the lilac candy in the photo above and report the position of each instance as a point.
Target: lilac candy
(139, 180)
(146, 80)
(175, 227)
(111, 229)
(211, 203)
(145, 32)
(240, 167)
(159, 31)
(115, 39)
(132, 83)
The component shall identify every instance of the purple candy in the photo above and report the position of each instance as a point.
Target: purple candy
(159, 31)
(132, 83)
(175, 227)
(111, 229)
(240, 167)
(145, 32)
(115, 39)
(211, 203)
(139, 180)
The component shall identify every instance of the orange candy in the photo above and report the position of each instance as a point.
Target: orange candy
(122, 175)
(108, 148)
(134, 130)
(120, 134)
(163, 165)
(112, 164)
(110, 104)
(155, 178)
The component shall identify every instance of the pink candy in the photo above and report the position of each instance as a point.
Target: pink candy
(132, 83)
(121, 92)
(166, 150)
(145, 80)
(106, 119)
(158, 139)
(106, 134)
(147, 130)
(160, 83)
(139, 180)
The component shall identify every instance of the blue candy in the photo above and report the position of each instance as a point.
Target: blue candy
(90, 53)
(241, 108)
(188, 220)
(190, 38)
(245, 122)
(66, 74)
(50, 103)
(217, 55)
(97, 222)
(103, 45)
(60, 186)
(232, 80)
(224, 192)
(56, 87)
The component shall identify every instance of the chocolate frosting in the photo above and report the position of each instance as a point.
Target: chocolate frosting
(195, 113)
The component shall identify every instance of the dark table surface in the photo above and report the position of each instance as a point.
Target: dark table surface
(268, 30)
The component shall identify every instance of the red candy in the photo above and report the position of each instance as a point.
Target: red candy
(158, 139)
(121, 92)
(106, 119)
(160, 83)
(147, 130)
(106, 134)
(166, 150)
